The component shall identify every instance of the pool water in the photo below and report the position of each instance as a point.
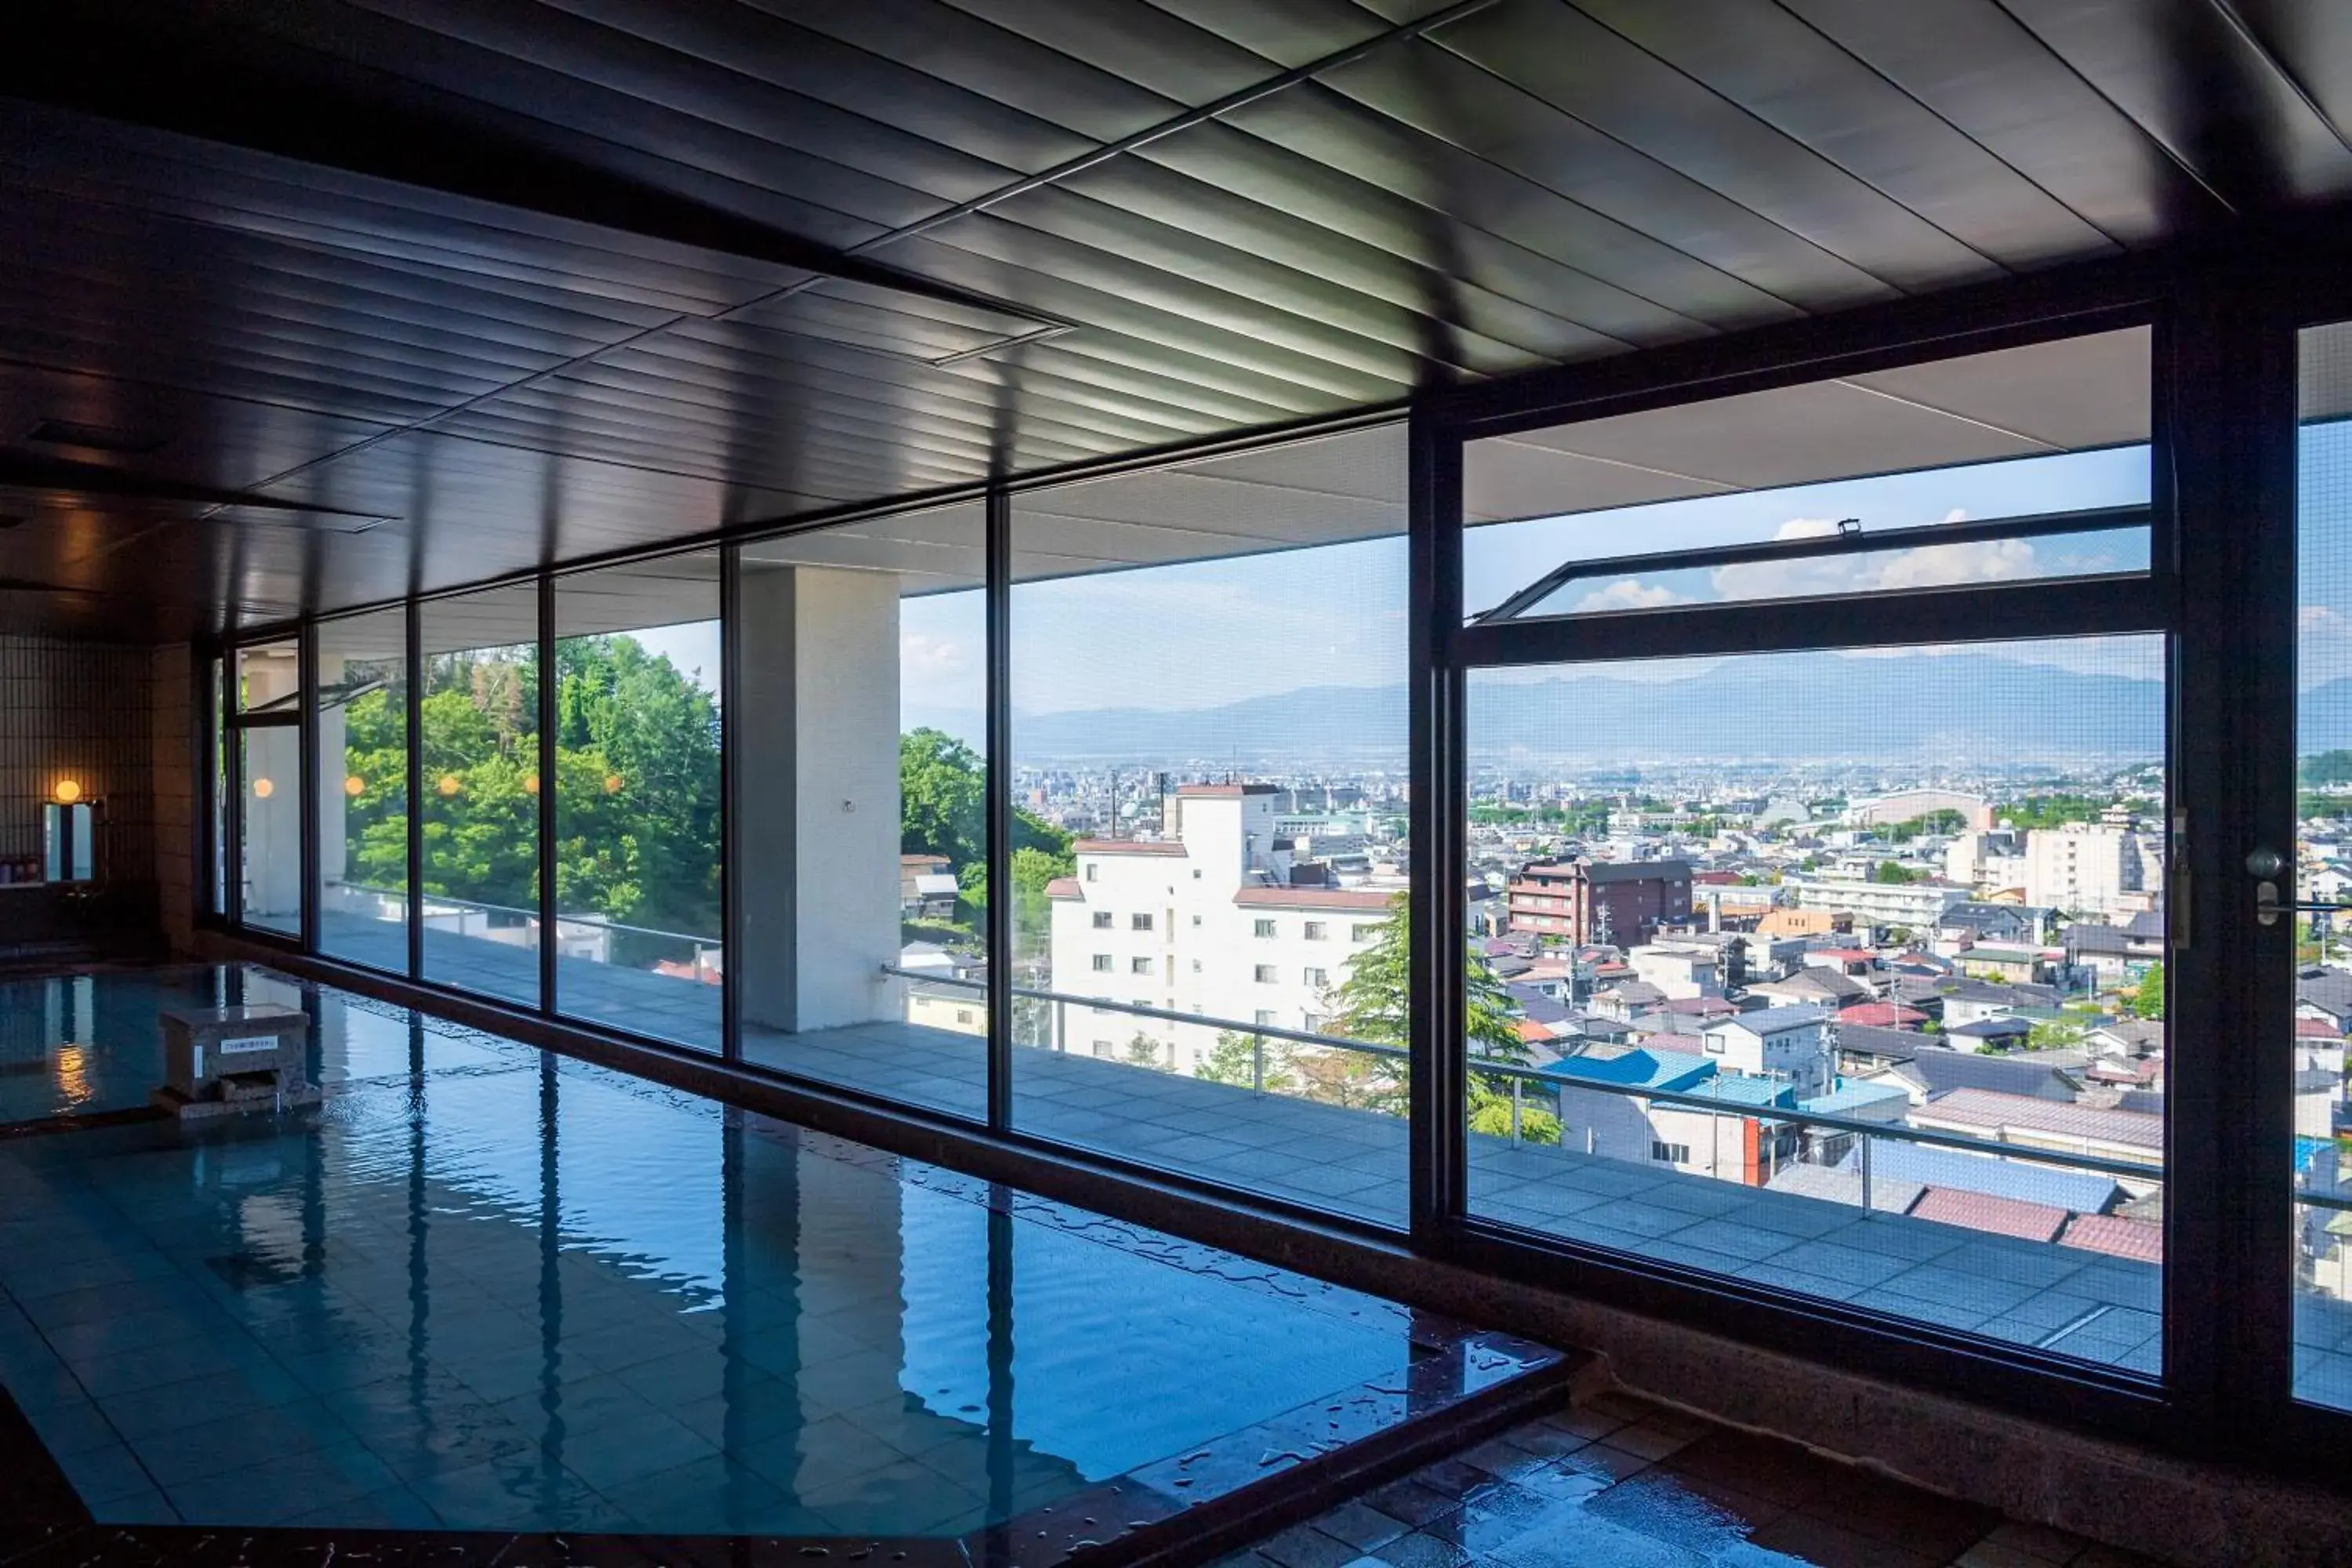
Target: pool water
(483, 1287)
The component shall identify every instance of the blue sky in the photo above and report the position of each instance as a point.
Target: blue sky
(1217, 632)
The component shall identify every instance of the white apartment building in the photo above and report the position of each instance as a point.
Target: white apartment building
(2089, 868)
(1201, 921)
(1681, 970)
(1787, 1045)
(1914, 906)
(1987, 861)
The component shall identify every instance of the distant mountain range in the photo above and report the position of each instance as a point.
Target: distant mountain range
(1801, 707)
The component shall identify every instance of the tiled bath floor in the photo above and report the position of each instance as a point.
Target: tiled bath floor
(1621, 1483)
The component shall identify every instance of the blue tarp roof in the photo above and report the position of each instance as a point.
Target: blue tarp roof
(1673, 1071)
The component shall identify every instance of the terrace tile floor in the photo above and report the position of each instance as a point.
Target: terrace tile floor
(2066, 1300)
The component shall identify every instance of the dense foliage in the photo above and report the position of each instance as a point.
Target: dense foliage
(636, 775)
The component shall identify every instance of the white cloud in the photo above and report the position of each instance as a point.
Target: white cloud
(920, 653)
(1926, 566)
(2323, 646)
(1628, 594)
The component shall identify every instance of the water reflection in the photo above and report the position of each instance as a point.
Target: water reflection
(506, 1290)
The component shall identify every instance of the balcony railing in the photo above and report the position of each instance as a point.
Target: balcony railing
(1521, 1077)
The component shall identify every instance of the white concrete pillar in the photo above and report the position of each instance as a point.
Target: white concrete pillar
(817, 826)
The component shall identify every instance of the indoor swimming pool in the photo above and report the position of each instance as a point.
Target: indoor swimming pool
(485, 1286)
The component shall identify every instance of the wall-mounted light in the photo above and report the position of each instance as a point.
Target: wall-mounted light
(530, 783)
(262, 788)
(67, 792)
(449, 784)
(355, 786)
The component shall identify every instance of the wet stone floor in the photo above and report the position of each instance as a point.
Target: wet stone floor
(1619, 1482)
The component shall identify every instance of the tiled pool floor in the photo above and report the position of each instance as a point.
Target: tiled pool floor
(484, 1287)
(1621, 1483)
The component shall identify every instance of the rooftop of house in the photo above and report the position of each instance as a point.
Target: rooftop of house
(1880, 1014)
(1994, 1028)
(1600, 872)
(1671, 1071)
(2117, 1236)
(1851, 1095)
(1128, 847)
(1990, 1111)
(1938, 1070)
(1338, 898)
(2020, 1217)
(2082, 1191)
(1770, 1020)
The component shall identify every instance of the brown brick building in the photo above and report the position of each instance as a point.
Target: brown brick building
(1594, 901)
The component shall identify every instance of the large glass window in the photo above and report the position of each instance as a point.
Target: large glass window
(362, 718)
(1209, 733)
(2323, 1009)
(638, 922)
(268, 690)
(1835, 969)
(480, 815)
(862, 822)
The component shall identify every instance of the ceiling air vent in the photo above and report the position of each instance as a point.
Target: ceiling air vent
(94, 437)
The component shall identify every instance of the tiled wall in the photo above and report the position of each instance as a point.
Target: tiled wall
(173, 771)
(83, 711)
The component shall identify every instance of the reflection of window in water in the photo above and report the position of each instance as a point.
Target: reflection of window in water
(67, 836)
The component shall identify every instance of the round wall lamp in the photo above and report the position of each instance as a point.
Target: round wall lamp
(262, 788)
(449, 784)
(355, 786)
(67, 792)
(530, 783)
(612, 784)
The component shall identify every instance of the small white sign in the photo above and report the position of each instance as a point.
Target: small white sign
(237, 1045)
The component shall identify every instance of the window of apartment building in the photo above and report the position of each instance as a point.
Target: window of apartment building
(1314, 930)
(1102, 920)
(1104, 1048)
(1262, 1016)
(1121, 749)
(1318, 978)
(1091, 869)
(1361, 932)
(1196, 966)
(1311, 1022)
(1139, 966)
(1265, 974)
(1139, 922)
(1907, 605)
(1103, 963)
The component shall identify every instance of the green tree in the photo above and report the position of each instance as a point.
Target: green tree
(1233, 1059)
(1144, 1051)
(2055, 1034)
(2148, 1000)
(2326, 768)
(1374, 1005)
(1888, 871)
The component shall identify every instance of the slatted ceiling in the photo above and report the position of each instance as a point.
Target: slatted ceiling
(1202, 225)
(1225, 284)
(779, 54)
(1249, 195)
(1789, 76)
(1975, 67)
(2204, 88)
(1457, 187)
(1290, 33)
(1320, 366)
(2076, 394)
(1533, 181)
(1148, 46)
(493, 618)
(1573, 64)
(678, 590)
(1447, 98)
(733, 382)
(718, 115)
(2312, 45)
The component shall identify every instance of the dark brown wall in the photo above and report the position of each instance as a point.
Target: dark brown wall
(87, 710)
